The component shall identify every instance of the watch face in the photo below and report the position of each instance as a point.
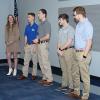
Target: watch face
(84, 56)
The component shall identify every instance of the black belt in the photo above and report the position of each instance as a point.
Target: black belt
(43, 42)
(67, 48)
(79, 50)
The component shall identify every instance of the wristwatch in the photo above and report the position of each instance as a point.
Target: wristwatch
(84, 56)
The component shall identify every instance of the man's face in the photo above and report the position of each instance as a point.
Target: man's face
(30, 18)
(40, 15)
(76, 16)
(61, 21)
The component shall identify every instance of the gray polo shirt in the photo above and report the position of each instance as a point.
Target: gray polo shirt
(44, 28)
(65, 34)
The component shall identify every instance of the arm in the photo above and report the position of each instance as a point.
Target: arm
(6, 36)
(67, 44)
(89, 36)
(25, 40)
(88, 47)
(46, 37)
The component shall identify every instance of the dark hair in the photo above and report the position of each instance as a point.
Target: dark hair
(44, 12)
(8, 24)
(80, 10)
(64, 16)
(31, 13)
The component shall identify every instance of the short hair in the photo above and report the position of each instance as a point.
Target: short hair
(64, 16)
(44, 12)
(80, 10)
(31, 13)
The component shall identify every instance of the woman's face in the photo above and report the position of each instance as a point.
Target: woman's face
(10, 19)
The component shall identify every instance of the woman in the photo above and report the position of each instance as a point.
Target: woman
(12, 43)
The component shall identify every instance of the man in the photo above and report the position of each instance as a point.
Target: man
(83, 43)
(44, 32)
(65, 52)
(30, 47)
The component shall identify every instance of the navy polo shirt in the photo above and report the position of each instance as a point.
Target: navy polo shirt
(31, 32)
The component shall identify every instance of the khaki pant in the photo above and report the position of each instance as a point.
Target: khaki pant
(66, 63)
(81, 69)
(44, 61)
(30, 54)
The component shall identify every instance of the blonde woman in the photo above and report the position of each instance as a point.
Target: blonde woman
(12, 43)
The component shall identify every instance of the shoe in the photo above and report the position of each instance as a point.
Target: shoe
(14, 72)
(68, 91)
(74, 95)
(82, 98)
(62, 89)
(46, 83)
(10, 71)
(22, 77)
(33, 77)
(42, 81)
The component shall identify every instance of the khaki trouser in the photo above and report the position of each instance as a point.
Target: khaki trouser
(81, 69)
(66, 63)
(30, 54)
(44, 61)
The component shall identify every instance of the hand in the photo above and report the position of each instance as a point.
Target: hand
(60, 52)
(35, 41)
(83, 58)
(10, 42)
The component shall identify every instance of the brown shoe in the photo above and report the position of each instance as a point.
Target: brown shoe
(74, 95)
(42, 81)
(22, 77)
(83, 98)
(70, 90)
(46, 83)
(33, 77)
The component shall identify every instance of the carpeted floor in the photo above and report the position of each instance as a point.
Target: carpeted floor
(13, 89)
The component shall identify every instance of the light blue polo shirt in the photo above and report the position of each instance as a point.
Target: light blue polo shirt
(84, 31)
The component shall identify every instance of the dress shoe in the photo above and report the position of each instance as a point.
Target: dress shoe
(21, 77)
(10, 71)
(68, 91)
(82, 98)
(74, 95)
(15, 72)
(46, 83)
(42, 81)
(62, 88)
(33, 77)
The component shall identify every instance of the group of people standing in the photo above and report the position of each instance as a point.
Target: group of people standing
(73, 49)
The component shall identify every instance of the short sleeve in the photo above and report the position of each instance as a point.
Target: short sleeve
(47, 28)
